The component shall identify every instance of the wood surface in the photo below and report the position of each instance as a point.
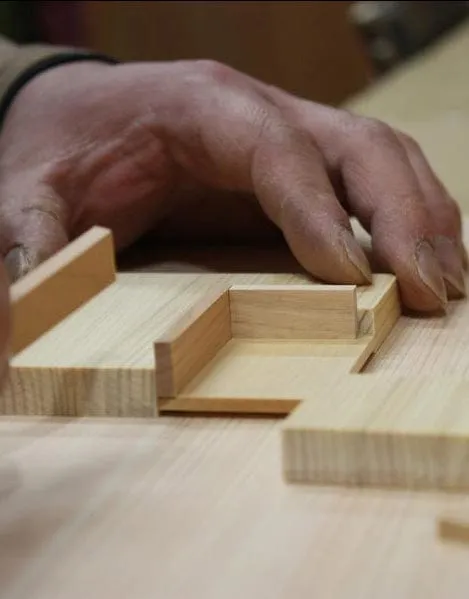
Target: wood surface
(195, 507)
(191, 343)
(101, 359)
(250, 375)
(294, 312)
(428, 98)
(383, 431)
(308, 48)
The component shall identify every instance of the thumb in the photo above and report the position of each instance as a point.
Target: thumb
(32, 229)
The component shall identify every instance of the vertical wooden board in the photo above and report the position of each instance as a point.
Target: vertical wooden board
(191, 343)
(294, 312)
(380, 311)
(60, 285)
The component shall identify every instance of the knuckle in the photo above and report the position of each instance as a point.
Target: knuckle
(453, 211)
(375, 131)
(215, 71)
(410, 143)
(280, 131)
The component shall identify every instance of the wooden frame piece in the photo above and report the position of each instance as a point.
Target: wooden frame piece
(294, 312)
(191, 343)
(60, 285)
(273, 332)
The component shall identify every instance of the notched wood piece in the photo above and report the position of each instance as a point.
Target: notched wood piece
(191, 343)
(294, 312)
(60, 285)
(271, 375)
(372, 430)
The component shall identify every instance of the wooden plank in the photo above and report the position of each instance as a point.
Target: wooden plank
(191, 343)
(100, 360)
(294, 312)
(60, 285)
(373, 430)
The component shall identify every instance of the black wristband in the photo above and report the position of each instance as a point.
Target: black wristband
(40, 67)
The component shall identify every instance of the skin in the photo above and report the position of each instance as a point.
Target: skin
(196, 150)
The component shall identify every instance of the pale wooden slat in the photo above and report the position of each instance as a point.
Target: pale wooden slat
(60, 285)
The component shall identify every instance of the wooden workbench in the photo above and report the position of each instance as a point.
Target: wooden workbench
(193, 508)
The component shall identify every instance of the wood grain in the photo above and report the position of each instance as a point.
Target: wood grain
(60, 285)
(372, 430)
(265, 376)
(308, 48)
(299, 312)
(191, 343)
(101, 361)
(196, 507)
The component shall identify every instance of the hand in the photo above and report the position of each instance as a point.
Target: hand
(138, 146)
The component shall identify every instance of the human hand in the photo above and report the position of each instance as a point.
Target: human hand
(133, 146)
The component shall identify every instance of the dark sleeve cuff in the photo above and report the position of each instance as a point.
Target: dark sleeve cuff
(39, 64)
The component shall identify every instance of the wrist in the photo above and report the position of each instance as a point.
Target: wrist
(49, 64)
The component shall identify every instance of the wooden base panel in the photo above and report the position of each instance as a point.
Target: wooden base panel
(90, 342)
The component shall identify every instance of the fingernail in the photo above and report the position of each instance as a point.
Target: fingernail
(17, 263)
(451, 264)
(357, 256)
(430, 272)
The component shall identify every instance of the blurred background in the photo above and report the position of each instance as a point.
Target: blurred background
(325, 51)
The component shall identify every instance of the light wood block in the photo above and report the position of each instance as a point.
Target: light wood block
(454, 527)
(192, 342)
(60, 285)
(373, 430)
(294, 312)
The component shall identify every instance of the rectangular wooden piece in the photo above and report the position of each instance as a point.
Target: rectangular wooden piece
(372, 430)
(191, 343)
(60, 285)
(294, 312)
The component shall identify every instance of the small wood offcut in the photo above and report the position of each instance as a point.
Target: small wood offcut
(90, 341)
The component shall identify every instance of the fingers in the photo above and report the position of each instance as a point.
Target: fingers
(291, 183)
(31, 230)
(240, 142)
(397, 197)
(446, 219)
(385, 194)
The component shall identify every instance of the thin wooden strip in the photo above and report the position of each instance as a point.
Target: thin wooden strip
(60, 285)
(228, 405)
(294, 312)
(191, 343)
